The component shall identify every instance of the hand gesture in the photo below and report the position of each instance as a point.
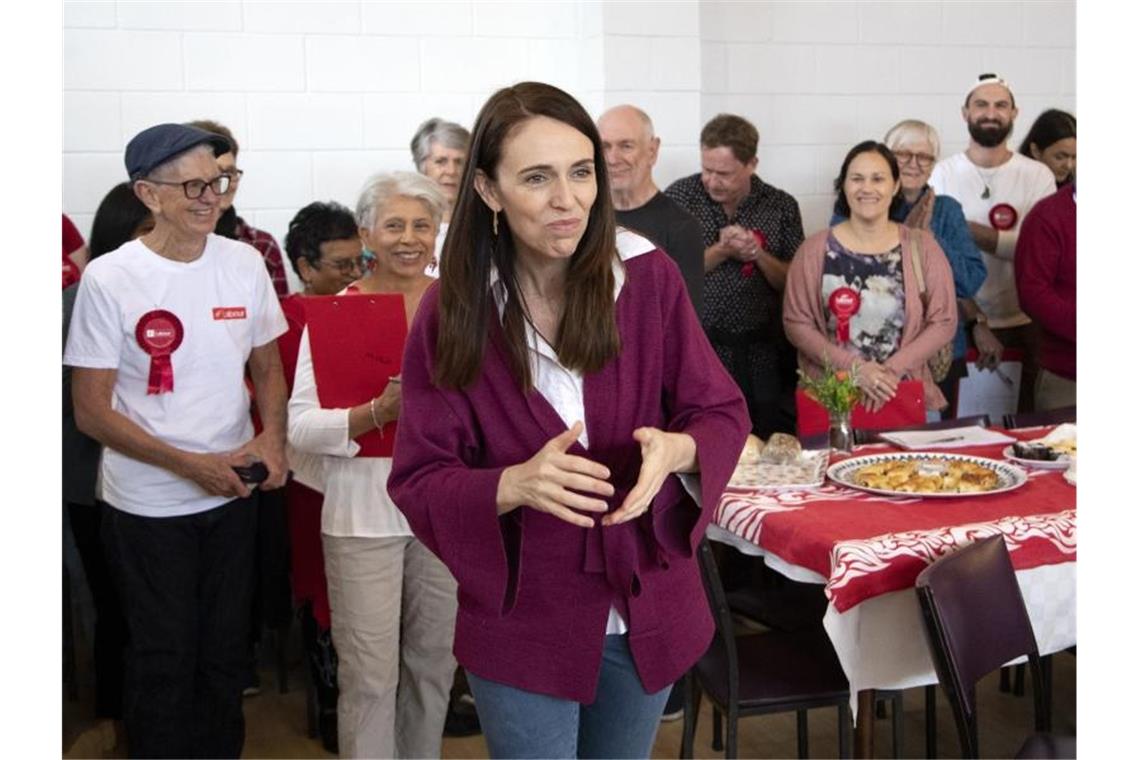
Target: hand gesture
(214, 473)
(270, 451)
(879, 385)
(548, 481)
(661, 455)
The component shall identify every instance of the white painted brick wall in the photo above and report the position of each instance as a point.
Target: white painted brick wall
(302, 17)
(323, 94)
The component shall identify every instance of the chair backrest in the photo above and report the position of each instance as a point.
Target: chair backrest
(975, 622)
(722, 616)
(975, 420)
(1034, 419)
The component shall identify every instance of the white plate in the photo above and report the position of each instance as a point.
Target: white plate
(1060, 463)
(1009, 476)
(809, 472)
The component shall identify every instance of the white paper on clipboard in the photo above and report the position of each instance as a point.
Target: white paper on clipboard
(984, 391)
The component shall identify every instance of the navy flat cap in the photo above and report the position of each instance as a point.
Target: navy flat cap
(156, 145)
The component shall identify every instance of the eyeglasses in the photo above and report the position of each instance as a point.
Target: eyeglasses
(343, 266)
(924, 160)
(235, 174)
(193, 188)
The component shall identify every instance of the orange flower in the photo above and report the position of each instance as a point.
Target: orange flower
(841, 375)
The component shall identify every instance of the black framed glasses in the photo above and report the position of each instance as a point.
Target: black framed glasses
(193, 188)
(344, 266)
(924, 160)
(235, 174)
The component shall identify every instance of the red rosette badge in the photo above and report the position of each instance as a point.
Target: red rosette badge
(159, 333)
(844, 304)
(749, 267)
(1003, 217)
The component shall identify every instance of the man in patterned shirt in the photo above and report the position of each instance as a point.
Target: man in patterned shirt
(233, 226)
(751, 231)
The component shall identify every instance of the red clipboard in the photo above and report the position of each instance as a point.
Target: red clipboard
(357, 344)
(908, 407)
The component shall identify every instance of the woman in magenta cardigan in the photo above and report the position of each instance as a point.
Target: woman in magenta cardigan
(852, 298)
(555, 384)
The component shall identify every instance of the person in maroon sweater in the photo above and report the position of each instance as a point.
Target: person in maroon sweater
(555, 383)
(1045, 268)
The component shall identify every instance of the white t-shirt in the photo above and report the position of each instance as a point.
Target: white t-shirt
(226, 305)
(1019, 182)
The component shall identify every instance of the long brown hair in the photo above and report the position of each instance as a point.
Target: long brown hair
(587, 332)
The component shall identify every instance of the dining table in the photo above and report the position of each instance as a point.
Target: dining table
(866, 549)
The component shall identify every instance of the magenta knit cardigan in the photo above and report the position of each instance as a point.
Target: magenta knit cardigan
(534, 591)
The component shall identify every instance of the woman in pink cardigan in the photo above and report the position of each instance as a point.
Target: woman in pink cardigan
(853, 299)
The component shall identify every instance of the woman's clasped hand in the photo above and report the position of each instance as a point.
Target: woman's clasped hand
(878, 383)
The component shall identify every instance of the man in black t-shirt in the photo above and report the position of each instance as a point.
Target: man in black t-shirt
(631, 152)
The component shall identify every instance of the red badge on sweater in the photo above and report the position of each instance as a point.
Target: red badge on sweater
(159, 334)
(1003, 217)
(844, 304)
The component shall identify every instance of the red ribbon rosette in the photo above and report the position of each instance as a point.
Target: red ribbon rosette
(159, 333)
(749, 267)
(844, 304)
(1003, 217)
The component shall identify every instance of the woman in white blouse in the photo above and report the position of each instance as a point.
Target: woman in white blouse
(392, 601)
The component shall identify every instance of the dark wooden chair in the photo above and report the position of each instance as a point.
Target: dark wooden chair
(872, 436)
(975, 621)
(762, 673)
(1010, 422)
(1034, 419)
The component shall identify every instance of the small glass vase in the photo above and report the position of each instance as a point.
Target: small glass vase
(840, 435)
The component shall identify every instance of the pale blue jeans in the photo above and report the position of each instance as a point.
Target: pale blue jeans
(621, 723)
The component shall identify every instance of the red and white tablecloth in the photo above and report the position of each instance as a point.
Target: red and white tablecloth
(865, 545)
(867, 550)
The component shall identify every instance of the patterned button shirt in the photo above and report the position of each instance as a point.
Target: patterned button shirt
(269, 250)
(735, 303)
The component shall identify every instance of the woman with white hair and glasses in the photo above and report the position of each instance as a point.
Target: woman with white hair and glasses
(439, 150)
(392, 602)
(915, 145)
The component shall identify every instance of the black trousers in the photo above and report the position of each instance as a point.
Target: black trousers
(764, 369)
(185, 583)
(110, 626)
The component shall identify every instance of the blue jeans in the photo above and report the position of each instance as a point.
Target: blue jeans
(621, 722)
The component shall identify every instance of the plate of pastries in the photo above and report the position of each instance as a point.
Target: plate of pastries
(778, 463)
(935, 474)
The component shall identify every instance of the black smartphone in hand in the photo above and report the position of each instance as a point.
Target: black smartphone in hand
(253, 474)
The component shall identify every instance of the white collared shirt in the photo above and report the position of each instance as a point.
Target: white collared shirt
(561, 386)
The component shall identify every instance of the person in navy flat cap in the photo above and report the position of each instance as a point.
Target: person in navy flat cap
(165, 329)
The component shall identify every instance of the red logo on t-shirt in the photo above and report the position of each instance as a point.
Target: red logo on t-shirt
(229, 312)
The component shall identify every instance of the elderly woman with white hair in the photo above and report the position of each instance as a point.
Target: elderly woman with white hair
(392, 602)
(915, 145)
(439, 150)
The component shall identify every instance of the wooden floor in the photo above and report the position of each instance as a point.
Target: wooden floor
(275, 724)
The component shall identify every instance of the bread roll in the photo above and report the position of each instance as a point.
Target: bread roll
(781, 449)
(751, 452)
